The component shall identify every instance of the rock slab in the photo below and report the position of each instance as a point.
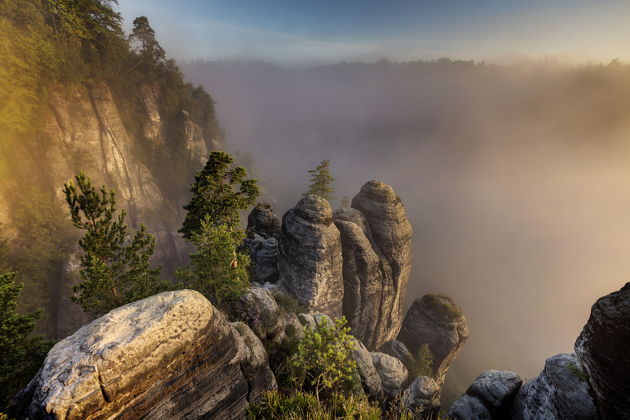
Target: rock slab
(172, 355)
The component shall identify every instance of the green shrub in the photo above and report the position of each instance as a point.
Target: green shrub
(422, 363)
(323, 362)
(302, 405)
(289, 304)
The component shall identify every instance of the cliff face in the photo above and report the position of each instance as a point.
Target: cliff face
(84, 128)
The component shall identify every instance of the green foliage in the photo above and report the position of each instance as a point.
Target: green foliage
(217, 270)
(577, 372)
(115, 267)
(345, 202)
(443, 305)
(214, 196)
(22, 354)
(422, 363)
(323, 361)
(321, 180)
(302, 405)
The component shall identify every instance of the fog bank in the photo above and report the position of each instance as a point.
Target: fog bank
(516, 180)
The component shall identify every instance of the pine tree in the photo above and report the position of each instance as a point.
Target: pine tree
(143, 38)
(214, 196)
(321, 180)
(22, 354)
(115, 267)
(218, 270)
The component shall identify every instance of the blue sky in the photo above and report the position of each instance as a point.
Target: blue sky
(322, 31)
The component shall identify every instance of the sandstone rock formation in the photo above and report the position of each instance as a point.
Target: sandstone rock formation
(392, 372)
(376, 238)
(489, 396)
(172, 355)
(561, 391)
(263, 230)
(310, 259)
(603, 348)
(398, 350)
(370, 379)
(422, 397)
(469, 408)
(496, 389)
(435, 320)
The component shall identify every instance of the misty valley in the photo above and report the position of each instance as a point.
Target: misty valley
(226, 237)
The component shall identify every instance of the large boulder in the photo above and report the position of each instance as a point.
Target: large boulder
(496, 389)
(603, 348)
(435, 320)
(392, 372)
(398, 350)
(469, 408)
(172, 355)
(422, 397)
(561, 391)
(377, 245)
(310, 257)
(259, 310)
(370, 379)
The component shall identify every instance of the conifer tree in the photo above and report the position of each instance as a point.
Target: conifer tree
(21, 354)
(214, 196)
(115, 267)
(321, 180)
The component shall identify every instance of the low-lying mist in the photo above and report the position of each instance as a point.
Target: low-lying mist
(516, 180)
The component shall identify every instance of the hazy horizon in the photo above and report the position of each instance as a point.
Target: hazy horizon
(326, 32)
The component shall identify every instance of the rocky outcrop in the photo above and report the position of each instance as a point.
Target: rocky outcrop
(376, 238)
(398, 350)
(370, 379)
(469, 408)
(392, 372)
(494, 390)
(435, 320)
(172, 355)
(259, 310)
(263, 221)
(422, 397)
(603, 348)
(310, 258)
(561, 391)
(263, 230)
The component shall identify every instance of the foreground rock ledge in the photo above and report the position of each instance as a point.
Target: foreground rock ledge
(172, 356)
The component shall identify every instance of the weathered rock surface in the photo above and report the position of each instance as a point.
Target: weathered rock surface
(377, 245)
(422, 397)
(496, 389)
(366, 285)
(469, 408)
(263, 221)
(435, 320)
(310, 259)
(603, 347)
(392, 372)
(370, 379)
(259, 310)
(172, 355)
(398, 350)
(561, 391)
